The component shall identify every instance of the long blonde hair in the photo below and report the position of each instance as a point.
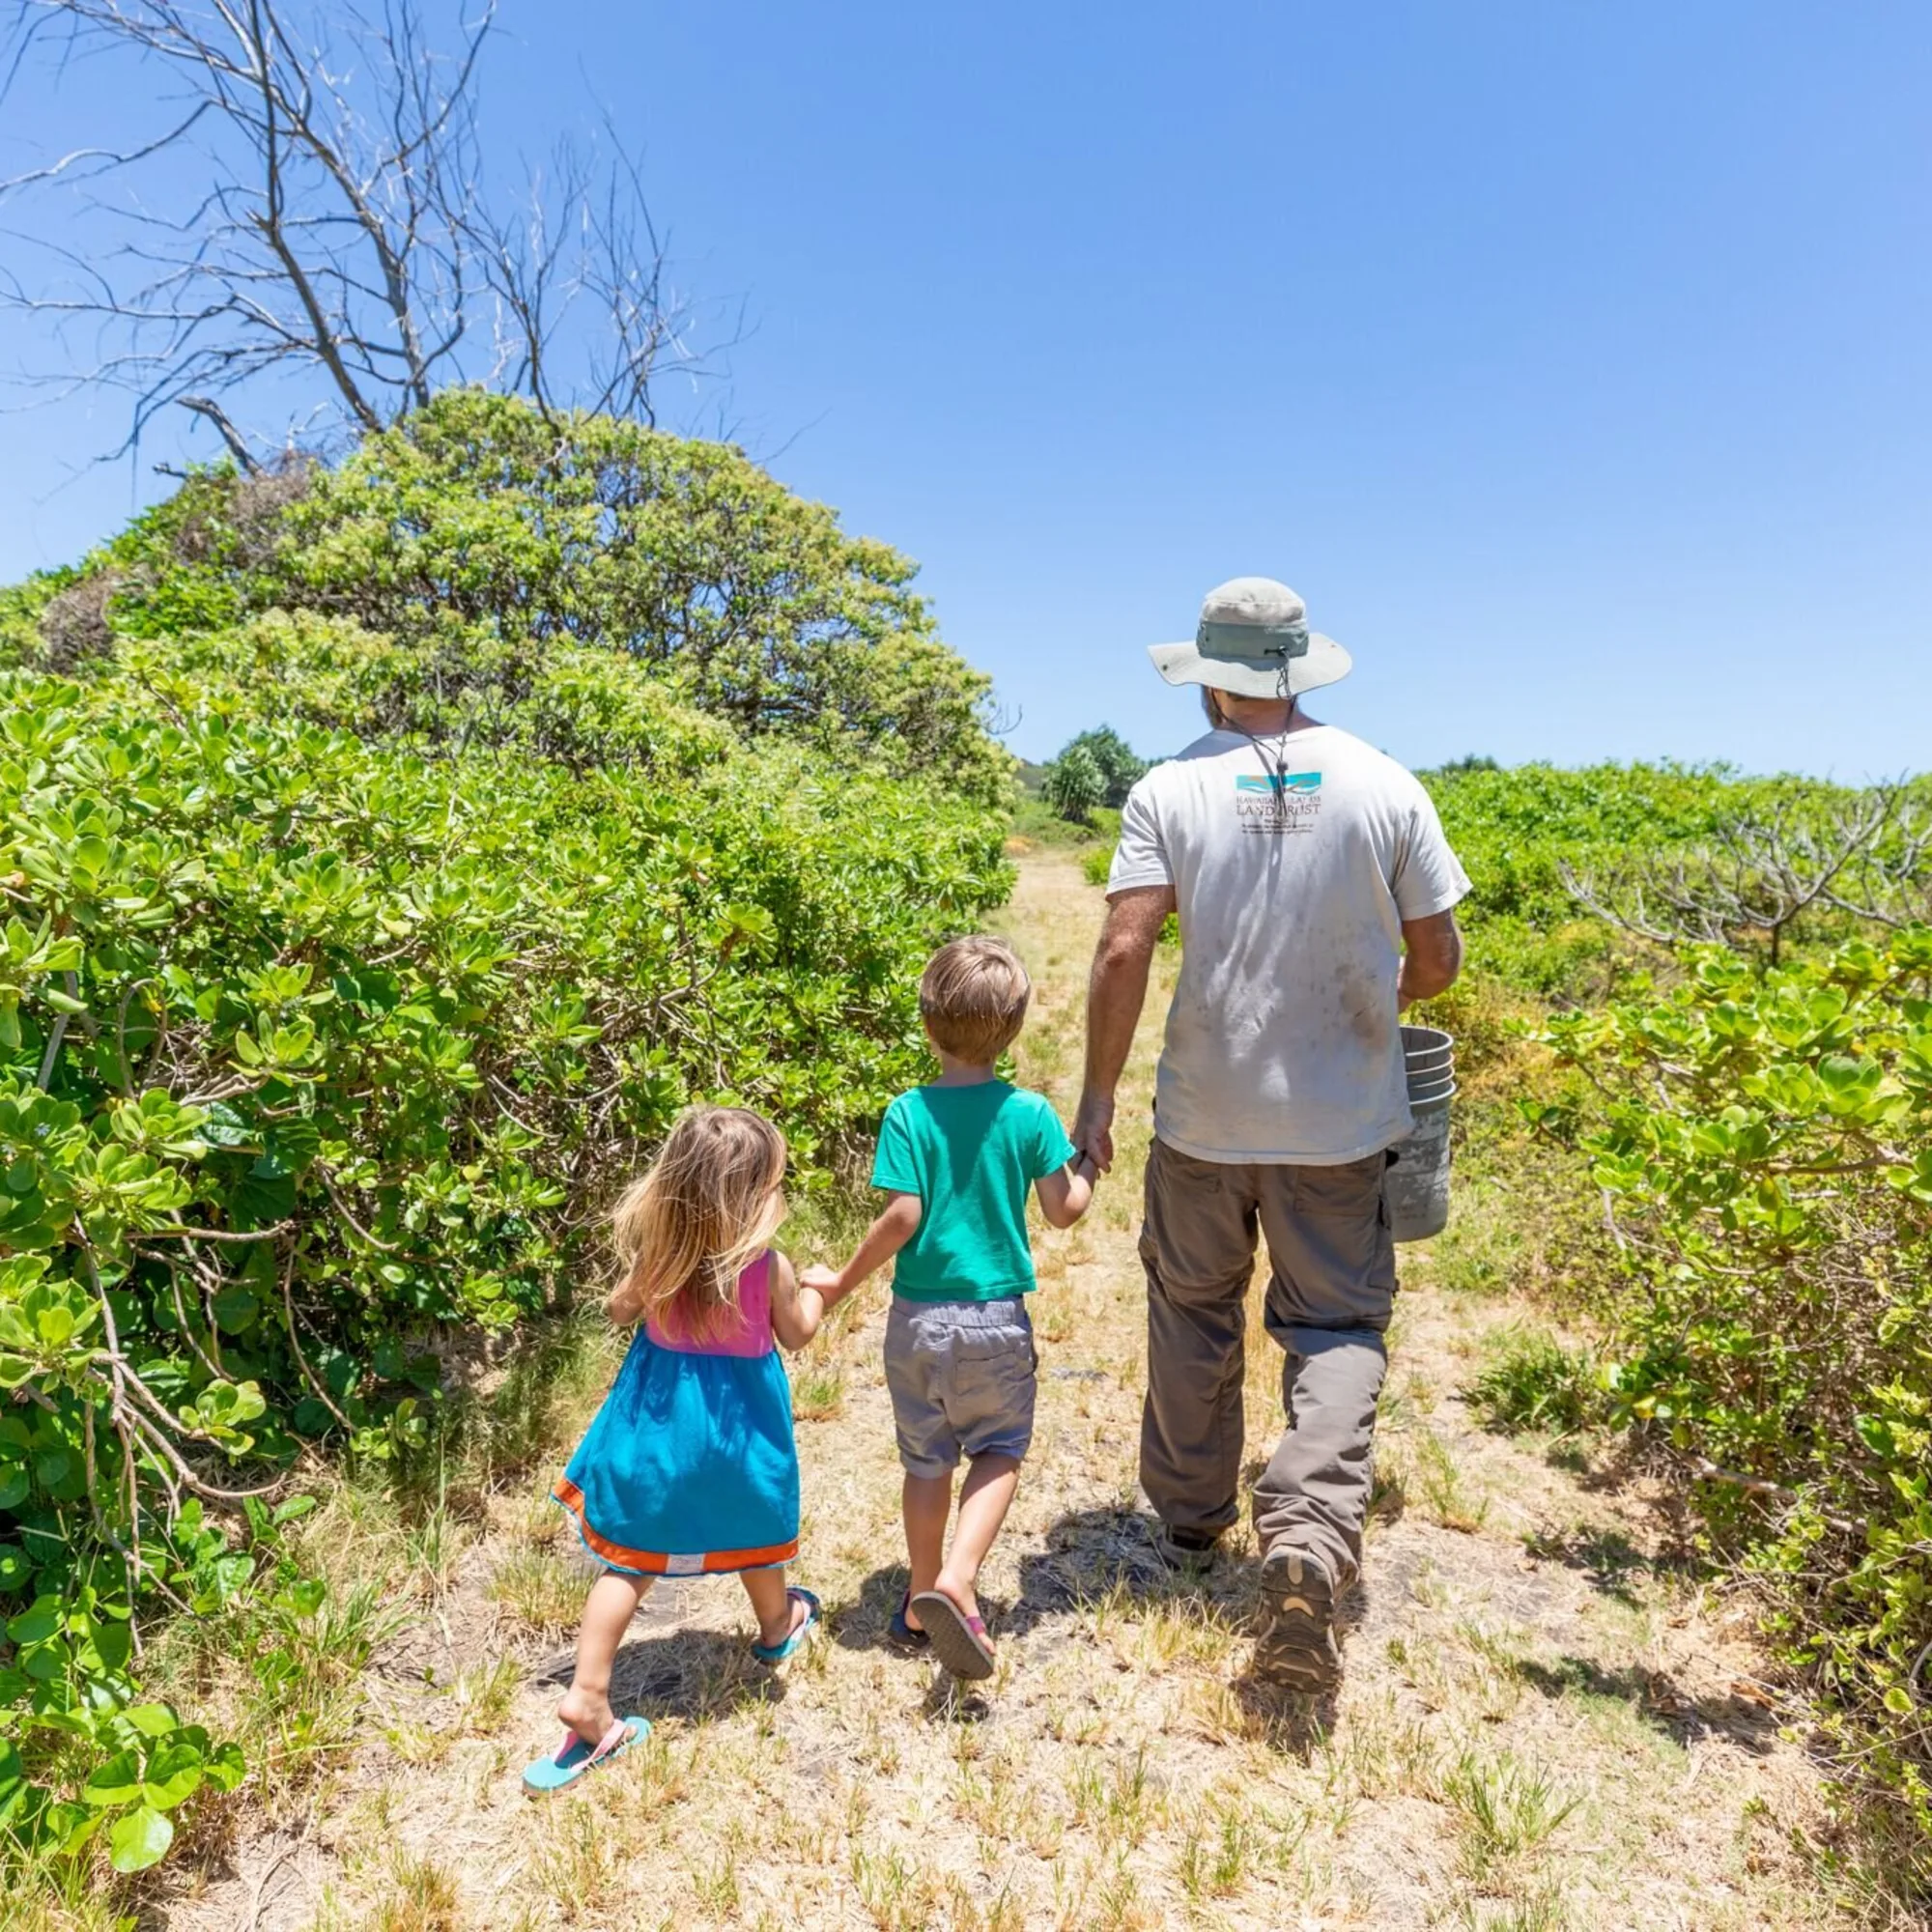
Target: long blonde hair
(689, 1228)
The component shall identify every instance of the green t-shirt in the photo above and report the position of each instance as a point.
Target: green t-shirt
(970, 1153)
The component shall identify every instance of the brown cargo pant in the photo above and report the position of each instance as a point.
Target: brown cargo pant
(1329, 1301)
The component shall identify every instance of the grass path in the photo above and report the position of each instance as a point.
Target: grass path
(1543, 1724)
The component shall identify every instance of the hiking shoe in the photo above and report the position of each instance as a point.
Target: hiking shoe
(1186, 1549)
(1296, 1647)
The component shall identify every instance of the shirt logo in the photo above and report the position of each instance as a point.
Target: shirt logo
(1281, 803)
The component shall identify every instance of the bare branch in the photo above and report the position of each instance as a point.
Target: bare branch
(344, 228)
(237, 446)
(1868, 857)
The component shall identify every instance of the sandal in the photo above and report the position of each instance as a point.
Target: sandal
(573, 1757)
(901, 1632)
(958, 1642)
(777, 1653)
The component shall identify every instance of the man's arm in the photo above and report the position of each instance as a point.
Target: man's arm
(1432, 957)
(1116, 992)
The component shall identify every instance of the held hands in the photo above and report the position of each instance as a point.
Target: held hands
(1093, 1129)
(822, 1279)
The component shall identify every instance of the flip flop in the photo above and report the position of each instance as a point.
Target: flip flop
(573, 1757)
(902, 1632)
(777, 1653)
(958, 1642)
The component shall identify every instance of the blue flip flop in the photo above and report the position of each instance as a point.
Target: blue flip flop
(573, 1757)
(902, 1633)
(777, 1653)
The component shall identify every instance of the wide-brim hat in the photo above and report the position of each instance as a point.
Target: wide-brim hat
(1254, 641)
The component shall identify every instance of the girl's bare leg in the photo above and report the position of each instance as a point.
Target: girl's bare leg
(777, 1613)
(585, 1708)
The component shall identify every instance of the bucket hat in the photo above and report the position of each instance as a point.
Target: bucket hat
(1253, 641)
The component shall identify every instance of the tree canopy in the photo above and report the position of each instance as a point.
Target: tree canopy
(487, 542)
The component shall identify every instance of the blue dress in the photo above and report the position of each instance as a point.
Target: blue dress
(690, 1467)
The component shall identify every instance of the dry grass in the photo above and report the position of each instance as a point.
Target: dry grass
(1538, 1727)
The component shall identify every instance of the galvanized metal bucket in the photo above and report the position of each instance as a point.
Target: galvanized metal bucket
(1418, 1183)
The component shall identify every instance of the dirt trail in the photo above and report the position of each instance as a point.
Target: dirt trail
(1541, 1724)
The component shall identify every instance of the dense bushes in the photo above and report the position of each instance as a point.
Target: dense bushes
(1768, 1145)
(482, 536)
(409, 842)
(1517, 829)
(308, 1045)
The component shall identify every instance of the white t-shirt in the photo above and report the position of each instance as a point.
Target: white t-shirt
(1292, 882)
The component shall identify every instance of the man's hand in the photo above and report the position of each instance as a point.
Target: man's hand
(1094, 1130)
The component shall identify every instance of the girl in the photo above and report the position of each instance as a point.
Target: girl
(690, 1467)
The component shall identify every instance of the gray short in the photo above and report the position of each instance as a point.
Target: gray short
(962, 1378)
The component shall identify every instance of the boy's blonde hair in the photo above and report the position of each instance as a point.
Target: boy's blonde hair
(973, 998)
(707, 1208)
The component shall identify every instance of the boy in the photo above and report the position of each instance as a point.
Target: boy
(956, 1158)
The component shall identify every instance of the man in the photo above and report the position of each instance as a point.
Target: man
(1313, 888)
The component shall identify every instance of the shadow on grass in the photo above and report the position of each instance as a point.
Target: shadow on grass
(689, 1673)
(1098, 1560)
(1097, 1554)
(1652, 1696)
(1285, 1721)
(1611, 1562)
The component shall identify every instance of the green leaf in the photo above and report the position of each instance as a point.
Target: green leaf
(13, 1778)
(225, 1767)
(173, 1775)
(236, 1309)
(113, 1645)
(224, 1127)
(152, 1720)
(41, 1619)
(115, 1780)
(308, 1596)
(66, 1828)
(140, 1840)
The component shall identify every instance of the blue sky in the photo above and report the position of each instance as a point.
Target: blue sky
(1575, 362)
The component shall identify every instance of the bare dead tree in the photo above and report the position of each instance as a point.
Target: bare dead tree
(1867, 856)
(341, 229)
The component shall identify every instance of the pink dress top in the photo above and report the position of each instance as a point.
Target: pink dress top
(750, 1335)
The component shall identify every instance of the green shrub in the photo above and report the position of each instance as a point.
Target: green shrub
(1075, 784)
(567, 704)
(311, 1046)
(1769, 1148)
(1111, 757)
(484, 535)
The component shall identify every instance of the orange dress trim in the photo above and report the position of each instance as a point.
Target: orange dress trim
(655, 1562)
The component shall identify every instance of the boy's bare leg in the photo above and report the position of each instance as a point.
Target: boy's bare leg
(777, 1613)
(613, 1601)
(984, 1498)
(927, 1502)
